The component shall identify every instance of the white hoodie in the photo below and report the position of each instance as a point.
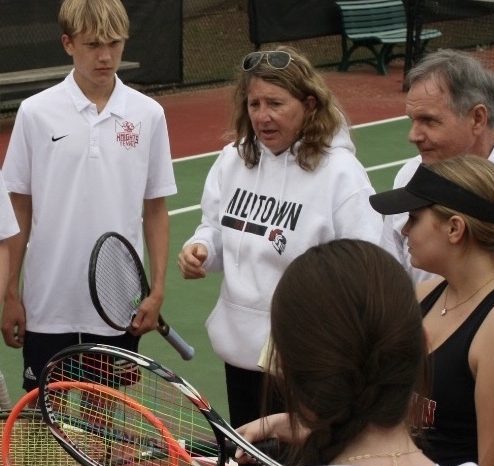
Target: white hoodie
(256, 221)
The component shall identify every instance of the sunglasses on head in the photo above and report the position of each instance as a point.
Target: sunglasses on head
(276, 59)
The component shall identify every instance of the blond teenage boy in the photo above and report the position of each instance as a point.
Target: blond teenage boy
(88, 155)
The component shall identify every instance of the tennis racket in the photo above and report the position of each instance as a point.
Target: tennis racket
(118, 284)
(185, 428)
(26, 440)
(5, 402)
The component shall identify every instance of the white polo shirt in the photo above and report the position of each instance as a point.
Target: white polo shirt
(87, 173)
(8, 222)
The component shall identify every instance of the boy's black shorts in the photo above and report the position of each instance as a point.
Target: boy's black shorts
(40, 347)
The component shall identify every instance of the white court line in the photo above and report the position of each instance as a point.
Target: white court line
(184, 210)
(362, 125)
(382, 166)
(380, 122)
(198, 156)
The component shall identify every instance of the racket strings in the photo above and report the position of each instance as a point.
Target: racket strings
(109, 431)
(30, 442)
(118, 282)
(120, 421)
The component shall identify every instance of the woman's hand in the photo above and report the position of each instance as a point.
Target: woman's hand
(191, 260)
(275, 426)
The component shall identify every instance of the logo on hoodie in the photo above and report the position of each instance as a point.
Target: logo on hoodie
(278, 240)
(255, 213)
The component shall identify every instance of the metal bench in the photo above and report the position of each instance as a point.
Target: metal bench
(14, 82)
(377, 25)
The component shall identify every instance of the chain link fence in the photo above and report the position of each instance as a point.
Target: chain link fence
(211, 36)
(216, 35)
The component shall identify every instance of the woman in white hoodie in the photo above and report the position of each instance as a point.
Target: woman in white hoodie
(289, 181)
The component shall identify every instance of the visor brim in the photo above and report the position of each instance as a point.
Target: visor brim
(397, 201)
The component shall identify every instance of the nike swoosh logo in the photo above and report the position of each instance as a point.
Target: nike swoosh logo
(53, 138)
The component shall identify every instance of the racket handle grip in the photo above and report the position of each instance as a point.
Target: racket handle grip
(171, 336)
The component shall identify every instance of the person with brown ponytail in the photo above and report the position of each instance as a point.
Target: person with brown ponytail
(348, 352)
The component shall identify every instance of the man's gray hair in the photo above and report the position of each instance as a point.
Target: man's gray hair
(467, 81)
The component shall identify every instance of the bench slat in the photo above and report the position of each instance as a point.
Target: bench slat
(51, 73)
(366, 4)
(398, 36)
